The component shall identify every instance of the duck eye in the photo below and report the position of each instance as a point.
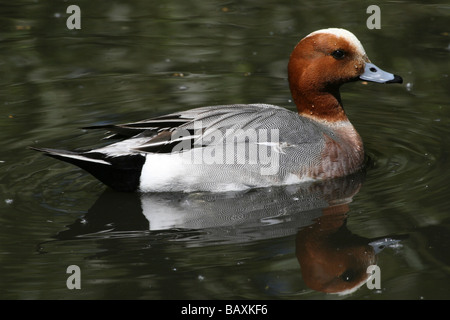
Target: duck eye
(348, 275)
(338, 54)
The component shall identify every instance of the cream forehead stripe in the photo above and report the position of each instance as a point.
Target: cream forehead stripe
(342, 33)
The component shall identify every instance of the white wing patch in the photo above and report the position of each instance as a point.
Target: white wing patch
(83, 158)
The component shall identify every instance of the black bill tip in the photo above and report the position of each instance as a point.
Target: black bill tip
(397, 79)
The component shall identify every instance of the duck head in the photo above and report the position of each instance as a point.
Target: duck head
(323, 61)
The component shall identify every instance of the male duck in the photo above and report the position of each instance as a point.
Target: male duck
(234, 147)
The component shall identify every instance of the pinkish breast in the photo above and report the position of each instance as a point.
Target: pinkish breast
(343, 153)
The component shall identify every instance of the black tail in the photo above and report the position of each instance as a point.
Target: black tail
(121, 173)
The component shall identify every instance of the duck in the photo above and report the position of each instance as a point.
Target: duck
(243, 146)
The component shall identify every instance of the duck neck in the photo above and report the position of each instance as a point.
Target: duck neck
(323, 105)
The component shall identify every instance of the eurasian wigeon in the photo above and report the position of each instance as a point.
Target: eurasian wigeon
(234, 147)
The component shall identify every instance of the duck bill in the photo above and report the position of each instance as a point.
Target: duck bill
(379, 244)
(374, 74)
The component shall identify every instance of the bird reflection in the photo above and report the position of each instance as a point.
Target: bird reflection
(332, 259)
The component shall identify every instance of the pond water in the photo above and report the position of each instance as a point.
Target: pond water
(133, 60)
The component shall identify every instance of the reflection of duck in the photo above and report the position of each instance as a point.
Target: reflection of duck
(316, 142)
(331, 258)
(229, 216)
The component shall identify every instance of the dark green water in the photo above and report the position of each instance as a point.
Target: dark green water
(132, 60)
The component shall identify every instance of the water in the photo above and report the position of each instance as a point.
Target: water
(137, 59)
